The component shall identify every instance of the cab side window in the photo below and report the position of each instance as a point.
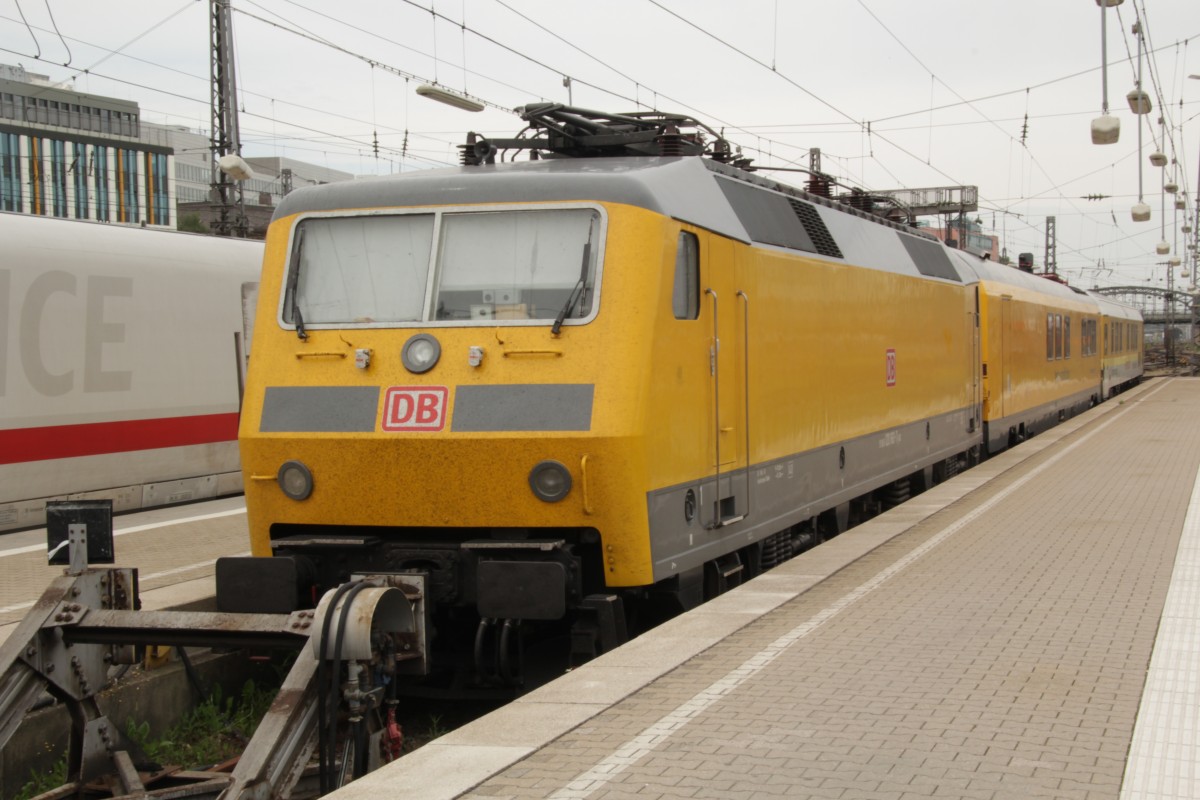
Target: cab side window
(685, 299)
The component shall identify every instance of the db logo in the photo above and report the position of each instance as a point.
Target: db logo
(889, 369)
(414, 408)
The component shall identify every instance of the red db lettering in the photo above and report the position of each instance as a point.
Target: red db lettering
(890, 367)
(401, 411)
(415, 408)
(428, 408)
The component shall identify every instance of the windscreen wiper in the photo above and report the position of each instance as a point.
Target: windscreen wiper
(292, 301)
(577, 292)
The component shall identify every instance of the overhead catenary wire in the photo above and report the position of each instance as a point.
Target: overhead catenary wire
(971, 105)
(635, 100)
(365, 59)
(36, 44)
(493, 40)
(353, 139)
(200, 79)
(188, 98)
(1009, 92)
(299, 31)
(111, 53)
(66, 47)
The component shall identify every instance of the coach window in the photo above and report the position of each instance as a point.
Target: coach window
(1058, 348)
(1049, 337)
(1066, 337)
(685, 299)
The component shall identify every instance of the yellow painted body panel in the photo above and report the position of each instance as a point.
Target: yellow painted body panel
(1018, 374)
(813, 326)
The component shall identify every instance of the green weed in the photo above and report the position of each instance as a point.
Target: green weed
(42, 782)
(215, 731)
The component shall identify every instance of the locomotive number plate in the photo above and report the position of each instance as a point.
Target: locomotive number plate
(415, 408)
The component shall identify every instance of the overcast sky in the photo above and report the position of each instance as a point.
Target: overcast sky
(894, 94)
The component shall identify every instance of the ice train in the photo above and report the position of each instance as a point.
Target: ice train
(119, 364)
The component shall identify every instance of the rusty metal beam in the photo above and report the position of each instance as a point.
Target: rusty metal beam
(284, 740)
(187, 628)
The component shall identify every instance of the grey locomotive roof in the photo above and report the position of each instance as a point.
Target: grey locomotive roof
(677, 187)
(698, 191)
(714, 196)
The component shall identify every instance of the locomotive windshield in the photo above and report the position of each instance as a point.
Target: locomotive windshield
(477, 266)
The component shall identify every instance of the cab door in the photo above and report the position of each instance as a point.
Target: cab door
(725, 308)
(973, 318)
(1001, 396)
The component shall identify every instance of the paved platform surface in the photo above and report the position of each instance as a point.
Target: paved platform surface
(175, 550)
(992, 638)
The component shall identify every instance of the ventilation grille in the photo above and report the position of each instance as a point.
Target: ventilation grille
(821, 238)
(930, 257)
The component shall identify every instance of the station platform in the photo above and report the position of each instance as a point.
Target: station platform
(175, 550)
(1030, 628)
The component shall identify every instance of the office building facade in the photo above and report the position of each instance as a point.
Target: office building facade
(68, 154)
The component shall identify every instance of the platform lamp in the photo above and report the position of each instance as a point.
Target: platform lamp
(1163, 247)
(1106, 129)
(1194, 245)
(449, 97)
(1139, 104)
(235, 167)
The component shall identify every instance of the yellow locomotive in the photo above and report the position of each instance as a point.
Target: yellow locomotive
(562, 386)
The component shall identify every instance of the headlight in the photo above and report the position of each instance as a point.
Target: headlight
(420, 353)
(550, 481)
(295, 480)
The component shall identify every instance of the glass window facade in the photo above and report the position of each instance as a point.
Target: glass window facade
(127, 185)
(85, 180)
(86, 162)
(58, 176)
(37, 187)
(158, 201)
(10, 172)
(79, 180)
(32, 108)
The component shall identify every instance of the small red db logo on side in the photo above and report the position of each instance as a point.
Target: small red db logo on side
(890, 367)
(415, 408)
